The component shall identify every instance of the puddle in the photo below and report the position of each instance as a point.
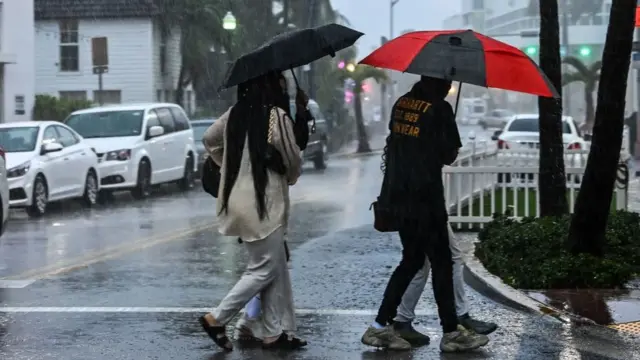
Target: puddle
(605, 307)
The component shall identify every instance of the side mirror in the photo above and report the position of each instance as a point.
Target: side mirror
(155, 131)
(51, 147)
(587, 137)
(496, 134)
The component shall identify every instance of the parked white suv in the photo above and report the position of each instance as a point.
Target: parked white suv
(139, 145)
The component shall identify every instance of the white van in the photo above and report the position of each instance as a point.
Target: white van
(139, 145)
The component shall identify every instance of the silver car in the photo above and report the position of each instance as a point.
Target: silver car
(496, 119)
(199, 127)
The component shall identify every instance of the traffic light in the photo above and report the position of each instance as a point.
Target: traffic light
(585, 51)
(531, 50)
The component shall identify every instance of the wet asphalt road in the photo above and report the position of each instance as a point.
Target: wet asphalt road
(128, 281)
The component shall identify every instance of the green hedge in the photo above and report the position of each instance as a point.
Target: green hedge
(532, 253)
(49, 107)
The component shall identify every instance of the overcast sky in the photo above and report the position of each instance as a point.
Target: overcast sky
(372, 17)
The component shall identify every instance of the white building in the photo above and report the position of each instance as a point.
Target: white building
(143, 66)
(17, 79)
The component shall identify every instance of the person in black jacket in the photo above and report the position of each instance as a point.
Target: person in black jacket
(424, 137)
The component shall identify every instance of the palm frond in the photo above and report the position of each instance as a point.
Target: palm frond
(573, 77)
(577, 64)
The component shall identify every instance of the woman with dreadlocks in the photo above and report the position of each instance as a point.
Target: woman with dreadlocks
(255, 147)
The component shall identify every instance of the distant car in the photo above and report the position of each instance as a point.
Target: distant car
(47, 161)
(317, 148)
(497, 118)
(523, 132)
(199, 127)
(139, 145)
(4, 191)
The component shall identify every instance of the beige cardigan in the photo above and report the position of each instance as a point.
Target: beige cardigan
(241, 218)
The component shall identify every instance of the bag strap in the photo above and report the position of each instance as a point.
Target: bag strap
(273, 114)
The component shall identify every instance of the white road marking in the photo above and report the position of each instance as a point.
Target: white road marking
(77, 309)
(15, 284)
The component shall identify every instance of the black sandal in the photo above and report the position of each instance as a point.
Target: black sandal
(285, 342)
(217, 334)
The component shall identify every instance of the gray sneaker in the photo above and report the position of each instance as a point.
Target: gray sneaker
(462, 340)
(385, 338)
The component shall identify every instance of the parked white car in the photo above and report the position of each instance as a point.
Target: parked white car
(47, 161)
(4, 191)
(139, 145)
(523, 132)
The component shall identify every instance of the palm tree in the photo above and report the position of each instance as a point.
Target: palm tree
(589, 223)
(551, 181)
(359, 75)
(589, 76)
(200, 26)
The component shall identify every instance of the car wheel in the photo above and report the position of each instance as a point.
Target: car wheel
(187, 181)
(39, 199)
(320, 161)
(90, 196)
(143, 185)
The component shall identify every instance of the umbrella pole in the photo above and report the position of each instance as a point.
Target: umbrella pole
(295, 78)
(455, 112)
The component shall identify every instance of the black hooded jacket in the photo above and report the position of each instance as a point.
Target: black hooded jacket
(424, 137)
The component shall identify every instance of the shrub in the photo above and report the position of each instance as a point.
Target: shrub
(532, 253)
(49, 107)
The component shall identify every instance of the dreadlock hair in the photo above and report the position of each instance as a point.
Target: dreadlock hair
(249, 120)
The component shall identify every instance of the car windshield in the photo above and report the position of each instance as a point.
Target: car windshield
(533, 125)
(19, 139)
(107, 123)
(198, 130)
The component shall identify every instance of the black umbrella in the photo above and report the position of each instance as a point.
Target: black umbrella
(290, 50)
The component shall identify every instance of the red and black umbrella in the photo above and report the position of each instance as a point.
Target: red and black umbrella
(465, 56)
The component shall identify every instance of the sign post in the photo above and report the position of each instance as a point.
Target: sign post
(100, 62)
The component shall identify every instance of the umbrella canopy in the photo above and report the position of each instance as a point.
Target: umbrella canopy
(290, 50)
(465, 56)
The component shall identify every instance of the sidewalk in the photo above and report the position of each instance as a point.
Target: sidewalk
(376, 143)
(616, 309)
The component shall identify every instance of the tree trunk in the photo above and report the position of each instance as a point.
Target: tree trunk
(180, 86)
(552, 180)
(363, 139)
(587, 232)
(589, 107)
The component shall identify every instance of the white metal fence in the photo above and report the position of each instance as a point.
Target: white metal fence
(485, 180)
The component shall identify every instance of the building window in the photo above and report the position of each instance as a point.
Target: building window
(107, 96)
(159, 95)
(478, 4)
(69, 60)
(73, 95)
(168, 96)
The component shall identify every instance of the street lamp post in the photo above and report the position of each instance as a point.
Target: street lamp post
(229, 24)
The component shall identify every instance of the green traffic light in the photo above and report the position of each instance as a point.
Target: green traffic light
(585, 51)
(531, 50)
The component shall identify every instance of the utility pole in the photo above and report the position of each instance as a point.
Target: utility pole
(564, 44)
(310, 74)
(391, 88)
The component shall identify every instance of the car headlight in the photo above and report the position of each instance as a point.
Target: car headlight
(119, 155)
(19, 170)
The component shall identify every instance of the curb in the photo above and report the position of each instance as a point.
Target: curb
(352, 155)
(481, 280)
